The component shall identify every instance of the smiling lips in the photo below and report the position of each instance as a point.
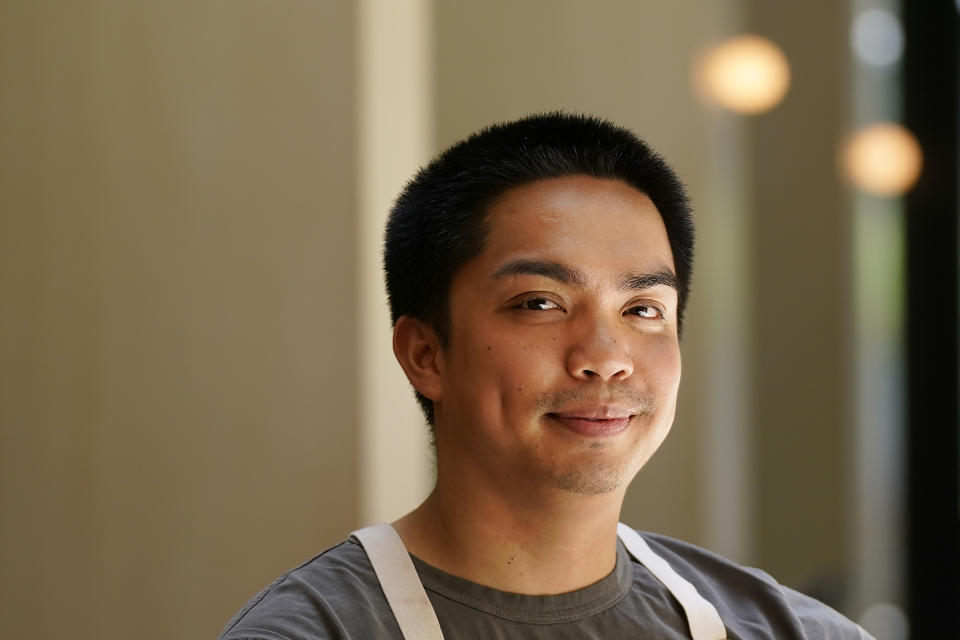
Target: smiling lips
(595, 421)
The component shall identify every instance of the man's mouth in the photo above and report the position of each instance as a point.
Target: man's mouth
(594, 421)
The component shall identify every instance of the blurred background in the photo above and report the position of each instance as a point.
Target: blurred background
(197, 389)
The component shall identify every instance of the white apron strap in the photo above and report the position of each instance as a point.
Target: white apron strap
(400, 582)
(704, 621)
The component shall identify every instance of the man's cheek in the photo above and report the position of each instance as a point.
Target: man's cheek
(662, 365)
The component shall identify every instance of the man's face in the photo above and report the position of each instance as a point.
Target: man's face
(562, 365)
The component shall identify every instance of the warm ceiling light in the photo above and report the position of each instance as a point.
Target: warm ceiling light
(747, 74)
(883, 159)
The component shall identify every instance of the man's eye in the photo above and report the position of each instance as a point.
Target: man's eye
(538, 304)
(645, 311)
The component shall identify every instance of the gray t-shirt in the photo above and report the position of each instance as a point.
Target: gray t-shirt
(337, 595)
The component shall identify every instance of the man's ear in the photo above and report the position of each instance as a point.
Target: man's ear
(417, 348)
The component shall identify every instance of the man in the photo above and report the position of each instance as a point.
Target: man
(537, 273)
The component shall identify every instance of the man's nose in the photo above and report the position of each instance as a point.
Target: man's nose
(599, 353)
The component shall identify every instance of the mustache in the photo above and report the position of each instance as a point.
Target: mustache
(555, 401)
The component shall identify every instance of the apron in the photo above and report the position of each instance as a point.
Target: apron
(410, 605)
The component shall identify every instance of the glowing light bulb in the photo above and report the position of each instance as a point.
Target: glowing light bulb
(883, 159)
(748, 74)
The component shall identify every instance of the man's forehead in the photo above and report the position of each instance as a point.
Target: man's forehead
(578, 220)
(569, 191)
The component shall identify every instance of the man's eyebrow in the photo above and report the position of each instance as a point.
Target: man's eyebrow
(636, 281)
(545, 268)
(648, 280)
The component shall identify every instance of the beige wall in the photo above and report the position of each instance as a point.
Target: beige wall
(178, 322)
(188, 196)
(801, 219)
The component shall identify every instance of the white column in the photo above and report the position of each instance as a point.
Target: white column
(395, 137)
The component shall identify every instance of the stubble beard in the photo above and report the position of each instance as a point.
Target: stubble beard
(596, 479)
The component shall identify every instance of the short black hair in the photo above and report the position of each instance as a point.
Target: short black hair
(438, 222)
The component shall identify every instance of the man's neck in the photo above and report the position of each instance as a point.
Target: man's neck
(555, 544)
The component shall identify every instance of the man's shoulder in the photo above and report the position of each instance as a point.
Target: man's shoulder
(318, 599)
(751, 595)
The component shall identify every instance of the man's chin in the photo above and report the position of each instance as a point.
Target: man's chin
(593, 480)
